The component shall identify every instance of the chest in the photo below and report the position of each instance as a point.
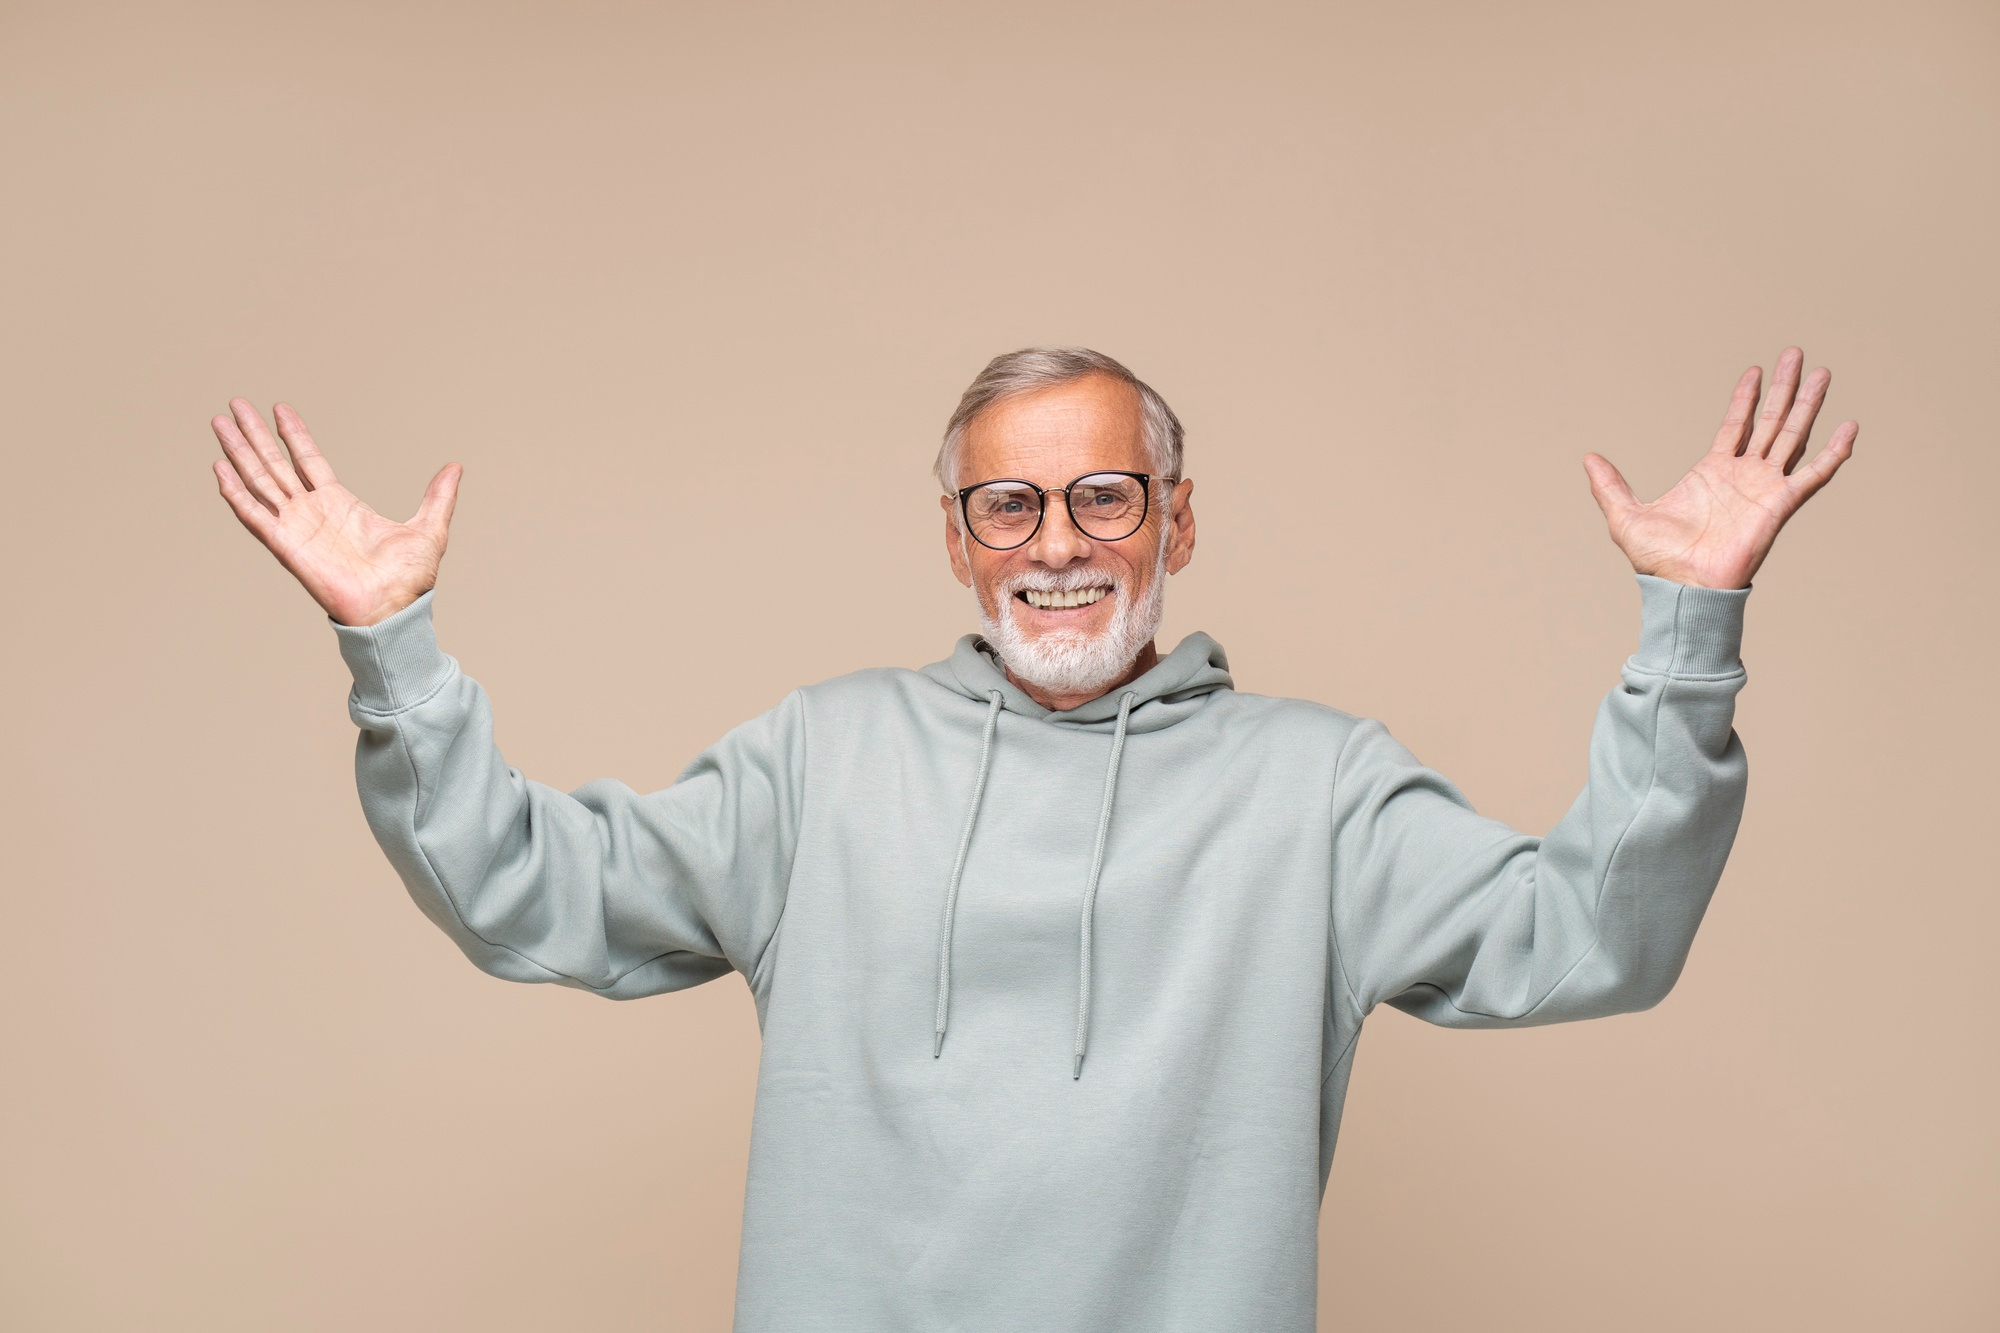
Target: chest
(1214, 855)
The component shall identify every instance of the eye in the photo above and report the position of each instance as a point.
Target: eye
(1006, 505)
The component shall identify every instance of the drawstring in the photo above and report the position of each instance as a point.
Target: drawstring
(958, 871)
(1090, 893)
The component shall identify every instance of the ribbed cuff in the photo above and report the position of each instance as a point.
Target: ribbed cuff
(396, 662)
(1689, 631)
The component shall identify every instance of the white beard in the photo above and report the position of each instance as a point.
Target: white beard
(1073, 661)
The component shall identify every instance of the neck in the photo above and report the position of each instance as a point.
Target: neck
(1148, 658)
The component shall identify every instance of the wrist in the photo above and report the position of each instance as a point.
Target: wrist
(358, 613)
(1694, 580)
(1731, 577)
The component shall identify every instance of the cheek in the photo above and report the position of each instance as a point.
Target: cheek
(1141, 563)
(985, 574)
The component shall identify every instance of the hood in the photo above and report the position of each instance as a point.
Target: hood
(1174, 689)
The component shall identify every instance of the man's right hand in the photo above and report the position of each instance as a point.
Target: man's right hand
(360, 567)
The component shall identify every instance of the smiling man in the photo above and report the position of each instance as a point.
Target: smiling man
(1060, 948)
(1068, 598)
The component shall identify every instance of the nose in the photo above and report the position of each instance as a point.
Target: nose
(1059, 542)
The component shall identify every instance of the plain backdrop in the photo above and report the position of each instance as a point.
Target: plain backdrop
(690, 291)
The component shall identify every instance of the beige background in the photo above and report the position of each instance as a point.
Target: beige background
(638, 267)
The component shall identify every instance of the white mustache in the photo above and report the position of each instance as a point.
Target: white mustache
(1064, 580)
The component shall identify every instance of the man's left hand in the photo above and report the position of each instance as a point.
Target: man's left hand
(1714, 528)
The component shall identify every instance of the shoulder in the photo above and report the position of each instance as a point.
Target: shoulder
(1357, 752)
(1280, 714)
(875, 695)
(1280, 729)
(870, 685)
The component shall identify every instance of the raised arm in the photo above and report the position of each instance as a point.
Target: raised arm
(1469, 923)
(602, 888)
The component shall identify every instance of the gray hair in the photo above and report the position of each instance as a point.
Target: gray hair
(1034, 368)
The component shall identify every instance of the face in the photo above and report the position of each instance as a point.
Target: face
(1067, 611)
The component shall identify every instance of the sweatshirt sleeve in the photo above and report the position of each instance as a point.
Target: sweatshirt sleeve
(602, 888)
(1465, 922)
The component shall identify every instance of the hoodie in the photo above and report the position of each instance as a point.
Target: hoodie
(1058, 1008)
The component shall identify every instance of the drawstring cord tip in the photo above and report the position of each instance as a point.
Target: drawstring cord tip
(937, 1046)
(1077, 1071)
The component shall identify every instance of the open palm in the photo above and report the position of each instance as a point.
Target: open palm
(1715, 527)
(359, 566)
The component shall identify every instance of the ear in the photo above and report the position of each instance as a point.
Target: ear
(1180, 529)
(954, 543)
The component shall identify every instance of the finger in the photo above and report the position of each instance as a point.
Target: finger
(249, 509)
(1607, 486)
(440, 498)
(1790, 445)
(251, 422)
(1827, 461)
(1736, 421)
(306, 457)
(1784, 383)
(250, 468)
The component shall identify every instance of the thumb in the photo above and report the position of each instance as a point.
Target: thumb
(440, 498)
(1607, 486)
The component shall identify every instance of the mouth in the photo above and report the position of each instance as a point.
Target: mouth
(1070, 599)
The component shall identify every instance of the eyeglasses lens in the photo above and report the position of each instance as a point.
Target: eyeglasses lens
(1106, 506)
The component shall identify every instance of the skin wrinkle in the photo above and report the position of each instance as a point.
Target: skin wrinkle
(1050, 437)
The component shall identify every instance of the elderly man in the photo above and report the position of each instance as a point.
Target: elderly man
(1060, 947)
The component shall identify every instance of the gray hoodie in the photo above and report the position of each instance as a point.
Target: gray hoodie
(1058, 1008)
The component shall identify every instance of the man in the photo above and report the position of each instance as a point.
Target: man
(1060, 948)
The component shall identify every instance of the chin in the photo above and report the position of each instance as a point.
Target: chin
(1074, 661)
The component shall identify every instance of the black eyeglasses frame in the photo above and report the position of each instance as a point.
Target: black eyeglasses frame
(1145, 480)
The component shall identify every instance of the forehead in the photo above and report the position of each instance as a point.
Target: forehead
(1051, 436)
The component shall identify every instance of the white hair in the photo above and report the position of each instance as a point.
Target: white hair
(1069, 661)
(1034, 368)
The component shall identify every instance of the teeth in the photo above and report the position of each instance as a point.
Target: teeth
(1051, 601)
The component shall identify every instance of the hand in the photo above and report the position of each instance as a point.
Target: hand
(1714, 529)
(359, 566)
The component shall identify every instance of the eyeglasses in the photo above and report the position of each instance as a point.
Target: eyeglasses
(1107, 506)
